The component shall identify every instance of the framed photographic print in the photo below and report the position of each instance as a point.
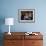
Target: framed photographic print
(26, 15)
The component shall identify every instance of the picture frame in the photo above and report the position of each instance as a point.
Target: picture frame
(26, 15)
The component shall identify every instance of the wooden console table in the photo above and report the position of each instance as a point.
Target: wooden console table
(20, 39)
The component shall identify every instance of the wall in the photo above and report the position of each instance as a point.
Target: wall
(9, 8)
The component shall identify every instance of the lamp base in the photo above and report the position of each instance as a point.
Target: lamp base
(9, 33)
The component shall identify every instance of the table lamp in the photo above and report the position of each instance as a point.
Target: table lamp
(9, 21)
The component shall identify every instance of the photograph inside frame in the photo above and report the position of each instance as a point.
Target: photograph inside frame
(26, 15)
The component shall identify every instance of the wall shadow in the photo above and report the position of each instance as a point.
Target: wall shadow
(2, 21)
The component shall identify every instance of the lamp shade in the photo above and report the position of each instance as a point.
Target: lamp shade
(9, 21)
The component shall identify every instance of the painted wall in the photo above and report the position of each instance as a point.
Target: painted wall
(9, 8)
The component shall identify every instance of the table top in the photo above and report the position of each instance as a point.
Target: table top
(22, 35)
